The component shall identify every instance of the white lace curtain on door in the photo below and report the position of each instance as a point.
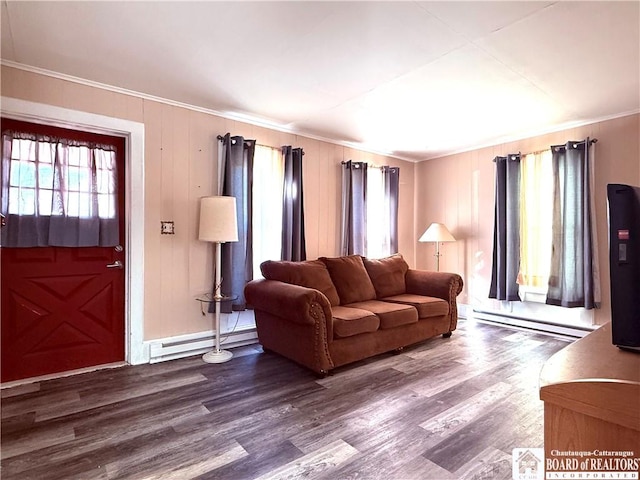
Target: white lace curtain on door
(58, 192)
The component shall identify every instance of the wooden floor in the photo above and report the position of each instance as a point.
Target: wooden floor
(445, 409)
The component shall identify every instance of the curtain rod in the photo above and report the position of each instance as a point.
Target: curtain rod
(370, 165)
(536, 152)
(591, 142)
(220, 137)
(278, 148)
(294, 148)
(508, 156)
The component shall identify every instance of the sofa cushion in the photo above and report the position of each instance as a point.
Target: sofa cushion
(352, 321)
(350, 278)
(426, 306)
(387, 275)
(390, 314)
(310, 274)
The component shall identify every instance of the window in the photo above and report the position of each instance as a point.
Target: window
(268, 184)
(60, 186)
(544, 233)
(369, 210)
(55, 177)
(536, 214)
(378, 238)
(254, 174)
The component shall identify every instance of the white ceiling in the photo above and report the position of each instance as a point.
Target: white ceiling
(412, 79)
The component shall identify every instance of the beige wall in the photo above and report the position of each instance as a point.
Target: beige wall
(180, 167)
(458, 190)
(180, 159)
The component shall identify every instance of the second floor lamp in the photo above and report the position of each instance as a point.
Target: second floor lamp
(437, 233)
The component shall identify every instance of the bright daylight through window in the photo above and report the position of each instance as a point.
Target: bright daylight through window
(268, 184)
(378, 219)
(41, 170)
(536, 214)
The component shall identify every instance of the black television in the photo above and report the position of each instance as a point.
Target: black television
(624, 264)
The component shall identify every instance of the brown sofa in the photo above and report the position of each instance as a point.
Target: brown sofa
(333, 311)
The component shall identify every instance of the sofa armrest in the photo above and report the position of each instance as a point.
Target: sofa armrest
(293, 303)
(444, 285)
(294, 321)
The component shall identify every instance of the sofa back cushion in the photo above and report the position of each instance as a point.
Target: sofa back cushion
(387, 275)
(310, 274)
(350, 278)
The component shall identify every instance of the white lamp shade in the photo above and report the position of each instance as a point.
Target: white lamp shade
(437, 232)
(218, 222)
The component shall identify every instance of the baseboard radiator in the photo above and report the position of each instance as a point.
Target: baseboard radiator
(540, 326)
(181, 346)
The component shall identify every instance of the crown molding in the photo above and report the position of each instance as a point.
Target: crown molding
(272, 125)
(536, 133)
(239, 117)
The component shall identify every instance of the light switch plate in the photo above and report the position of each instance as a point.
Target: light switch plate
(167, 228)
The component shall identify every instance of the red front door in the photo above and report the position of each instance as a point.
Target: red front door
(63, 307)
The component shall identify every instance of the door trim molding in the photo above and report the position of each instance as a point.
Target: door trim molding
(136, 351)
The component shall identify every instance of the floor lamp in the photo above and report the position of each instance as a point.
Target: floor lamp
(218, 224)
(437, 233)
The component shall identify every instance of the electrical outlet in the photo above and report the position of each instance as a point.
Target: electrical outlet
(167, 228)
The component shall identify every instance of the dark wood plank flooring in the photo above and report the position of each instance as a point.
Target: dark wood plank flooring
(444, 409)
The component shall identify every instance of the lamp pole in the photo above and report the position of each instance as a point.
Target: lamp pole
(437, 256)
(217, 355)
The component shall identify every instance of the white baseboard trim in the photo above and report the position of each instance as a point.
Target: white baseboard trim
(180, 346)
(540, 326)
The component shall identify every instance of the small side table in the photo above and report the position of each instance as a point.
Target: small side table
(208, 299)
(217, 355)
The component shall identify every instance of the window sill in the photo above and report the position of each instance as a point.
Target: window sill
(533, 294)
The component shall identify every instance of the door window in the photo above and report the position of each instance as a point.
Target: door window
(58, 191)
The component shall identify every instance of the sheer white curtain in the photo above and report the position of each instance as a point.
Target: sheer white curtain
(536, 211)
(268, 184)
(378, 221)
(382, 211)
(58, 192)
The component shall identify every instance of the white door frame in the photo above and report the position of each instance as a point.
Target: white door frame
(136, 352)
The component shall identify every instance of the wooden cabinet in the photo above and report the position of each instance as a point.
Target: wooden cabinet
(591, 394)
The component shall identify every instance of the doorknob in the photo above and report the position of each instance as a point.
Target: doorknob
(116, 264)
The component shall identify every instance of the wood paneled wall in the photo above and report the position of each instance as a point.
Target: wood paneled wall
(458, 190)
(180, 167)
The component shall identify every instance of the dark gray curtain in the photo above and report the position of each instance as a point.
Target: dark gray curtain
(506, 230)
(571, 280)
(354, 208)
(293, 240)
(391, 180)
(58, 192)
(236, 174)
